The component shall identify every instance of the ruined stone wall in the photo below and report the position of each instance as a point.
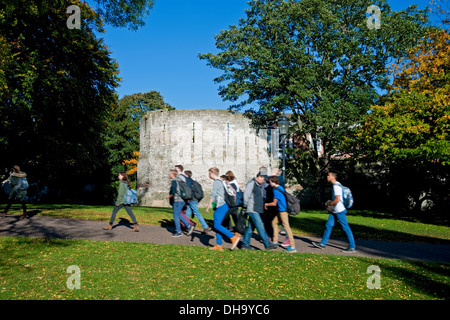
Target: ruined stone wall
(198, 140)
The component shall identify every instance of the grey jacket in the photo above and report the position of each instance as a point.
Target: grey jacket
(253, 197)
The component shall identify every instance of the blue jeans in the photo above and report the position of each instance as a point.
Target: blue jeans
(221, 231)
(177, 208)
(192, 207)
(255, 221)
(342, 217)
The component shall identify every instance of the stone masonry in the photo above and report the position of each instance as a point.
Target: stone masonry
(198, 140)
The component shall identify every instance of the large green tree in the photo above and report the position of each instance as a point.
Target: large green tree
(123, 124)
(320, 60)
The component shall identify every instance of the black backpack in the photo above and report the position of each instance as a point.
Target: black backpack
(197, 191)
(185, 190)
(293, 203)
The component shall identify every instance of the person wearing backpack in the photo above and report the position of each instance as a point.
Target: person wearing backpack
(218, 197)
(197, 196)
(338, 213)
(124, 184)
(280, 202)
(178, 203)
(18, 186)
(254, 203)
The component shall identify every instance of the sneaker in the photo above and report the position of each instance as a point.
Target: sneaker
(244, 247)
(318, 245)
(108, 227)
(205, 231)
(216, 248)
(291, 249)
(190, 229)
(285, 244)
(349, 250)
(234, 242)
(177, 235)
(272, 246)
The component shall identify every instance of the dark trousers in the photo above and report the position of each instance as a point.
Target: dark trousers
(10, 202)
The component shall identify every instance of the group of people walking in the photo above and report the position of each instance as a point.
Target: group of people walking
(263, 200)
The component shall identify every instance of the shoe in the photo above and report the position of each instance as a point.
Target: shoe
(177, 235)
(272, 246)
(285, 244)
(205, 231)
(191, 228)
(136, 228)
(243, 247)
(291, 249)
(318, 245)
(349, 250)
(234, 242)
(216, 248)
(108, 227)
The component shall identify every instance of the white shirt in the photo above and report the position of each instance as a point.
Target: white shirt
(337, 191)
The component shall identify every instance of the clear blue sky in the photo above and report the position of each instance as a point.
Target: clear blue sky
(163, 55)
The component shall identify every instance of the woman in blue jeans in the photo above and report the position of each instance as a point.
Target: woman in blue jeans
(339, 213)
(218, 197)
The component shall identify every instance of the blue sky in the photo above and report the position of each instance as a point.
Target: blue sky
(163, 55)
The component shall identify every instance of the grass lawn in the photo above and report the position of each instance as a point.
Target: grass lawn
(33, 268)
(36, 268)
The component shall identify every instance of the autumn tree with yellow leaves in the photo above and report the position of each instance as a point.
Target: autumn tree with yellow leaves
(407, 137)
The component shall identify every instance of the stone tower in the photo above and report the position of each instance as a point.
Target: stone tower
(198, 140)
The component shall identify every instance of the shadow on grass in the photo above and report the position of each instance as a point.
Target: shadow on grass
(316, 226)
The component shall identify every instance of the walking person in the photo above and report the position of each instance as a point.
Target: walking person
(178, 204)
(233, 211)
(18, 190)
(218, 197)
(279, 201)
(254, 202)
(339, 213)
(124, 184)
(192, 205)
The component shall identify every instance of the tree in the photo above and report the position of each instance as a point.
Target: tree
(124, 13)
(57, 90)
(316, 59)
(409, 134)
(414, 124)
(123, 123)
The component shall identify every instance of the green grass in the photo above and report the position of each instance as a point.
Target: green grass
(33, 268)
(365, 224)
(36, 268)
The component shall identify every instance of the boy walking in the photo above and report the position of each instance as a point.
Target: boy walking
(254, 202)
(178, 205)
(279, 200)
(339, 213)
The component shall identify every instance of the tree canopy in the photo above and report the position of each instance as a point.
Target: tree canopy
(316, 59)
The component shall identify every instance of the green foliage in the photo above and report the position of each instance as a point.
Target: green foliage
(57, 92)
(123, 123)
(124, 13)
(316, 59)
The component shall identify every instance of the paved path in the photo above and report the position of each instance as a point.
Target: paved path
(63, 228)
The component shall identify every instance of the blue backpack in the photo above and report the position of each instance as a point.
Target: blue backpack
(131, 196)
(347, 197)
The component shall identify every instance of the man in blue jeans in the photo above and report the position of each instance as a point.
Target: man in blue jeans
(192, 205)
(178, 205)
(339, 213)
(254, 202)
